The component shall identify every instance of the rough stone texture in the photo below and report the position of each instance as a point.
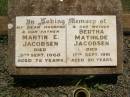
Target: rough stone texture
(65, 7)
(3, 25)
(99, 86)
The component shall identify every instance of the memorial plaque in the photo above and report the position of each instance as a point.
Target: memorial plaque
(65, 37)
(65, 41)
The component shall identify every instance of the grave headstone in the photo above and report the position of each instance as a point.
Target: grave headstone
(65, 37)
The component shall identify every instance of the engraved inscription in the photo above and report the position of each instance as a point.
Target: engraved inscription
(65, 41)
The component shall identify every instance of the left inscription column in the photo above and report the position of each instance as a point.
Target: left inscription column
(40, 41)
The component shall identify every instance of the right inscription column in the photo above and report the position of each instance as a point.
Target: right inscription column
(92, 41)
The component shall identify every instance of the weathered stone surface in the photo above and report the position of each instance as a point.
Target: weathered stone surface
(65, 7)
